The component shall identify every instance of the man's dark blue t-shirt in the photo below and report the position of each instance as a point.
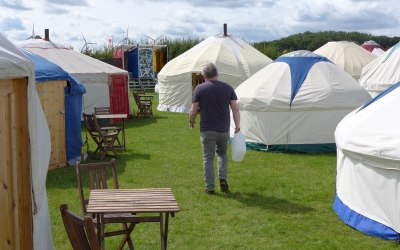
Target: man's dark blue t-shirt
(214, 98)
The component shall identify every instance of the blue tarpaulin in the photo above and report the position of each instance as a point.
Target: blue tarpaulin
(48, 71)
(299, 68)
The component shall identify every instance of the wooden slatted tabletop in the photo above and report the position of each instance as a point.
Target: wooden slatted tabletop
(132, 200)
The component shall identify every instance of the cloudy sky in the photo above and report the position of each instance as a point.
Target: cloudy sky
(252, 20)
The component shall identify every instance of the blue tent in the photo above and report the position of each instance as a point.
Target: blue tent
(48, 71)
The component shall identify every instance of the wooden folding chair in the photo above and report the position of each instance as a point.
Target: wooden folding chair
(97, 174)
(144, 104)
(107, 125)
(105, 140)
(80, 231)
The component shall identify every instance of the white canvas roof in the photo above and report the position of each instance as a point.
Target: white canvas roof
(368, 167)
(91, 72)
(378, 51)
(235, 59)
(13, 63)
(383, 72)
(277, 108)
(347, 55)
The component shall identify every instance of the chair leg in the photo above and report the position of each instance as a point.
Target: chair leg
(109, 147)
(127, 236)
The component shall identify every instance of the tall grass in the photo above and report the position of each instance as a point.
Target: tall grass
(276, 201)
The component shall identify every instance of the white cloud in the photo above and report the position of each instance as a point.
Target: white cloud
(10, 24)
(14, 4)
(252, 20)
(68, 2)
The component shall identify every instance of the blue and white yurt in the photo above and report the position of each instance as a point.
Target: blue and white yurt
(295, 103)
(368, 167)
(46, 71)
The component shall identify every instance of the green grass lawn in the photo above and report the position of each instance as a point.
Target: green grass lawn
(276, 200)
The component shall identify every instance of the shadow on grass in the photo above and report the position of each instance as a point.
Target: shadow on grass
(132, 156)
(142, 121)
(267, 202)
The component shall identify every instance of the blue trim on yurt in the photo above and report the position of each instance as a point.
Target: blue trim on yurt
(77, 87)
(48, 71)
(299, 68)
(294, 148)
(387, 91)
(362, 223)
(73, 135)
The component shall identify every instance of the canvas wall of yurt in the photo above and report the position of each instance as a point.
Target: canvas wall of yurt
(368, 167)
(382, 73)
(61, 98)
(295, 103)
(103, 82)
(235, 59)
(347, 55)
(24, 155)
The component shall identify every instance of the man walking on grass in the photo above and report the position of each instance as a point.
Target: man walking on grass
(214, 98)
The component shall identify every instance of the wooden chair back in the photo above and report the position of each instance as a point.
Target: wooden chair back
(90, 123)
(105, 122)
(97, 176)
(144, 104)
(80, 231)
(102, 110)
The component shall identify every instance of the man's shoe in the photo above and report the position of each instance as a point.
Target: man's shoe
(209, 191)
(224, 185)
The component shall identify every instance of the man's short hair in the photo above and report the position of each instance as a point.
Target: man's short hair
(210, 70)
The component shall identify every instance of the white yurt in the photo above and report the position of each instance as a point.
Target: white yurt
(382, 72)
(378, 51)
(347, 55)
(95, 75)
(24, 155)
(368, 167)
(235, 59)
(295, 103)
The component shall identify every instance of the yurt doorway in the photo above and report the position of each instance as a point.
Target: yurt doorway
(197, 79)
(15, 193)
(51, 94)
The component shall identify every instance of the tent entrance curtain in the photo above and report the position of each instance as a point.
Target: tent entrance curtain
(119, 94)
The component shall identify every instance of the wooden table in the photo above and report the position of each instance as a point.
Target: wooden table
(116, 116)
(150, 200)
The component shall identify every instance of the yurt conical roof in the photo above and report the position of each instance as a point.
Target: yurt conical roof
(347, 55)
(371, 45)
(91, 72)
(295, 103)
(382, 73)
(235, 59)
